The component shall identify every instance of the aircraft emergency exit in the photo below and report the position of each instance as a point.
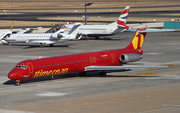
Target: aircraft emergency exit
(82, 63)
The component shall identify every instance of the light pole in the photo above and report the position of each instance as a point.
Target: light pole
(87, 4)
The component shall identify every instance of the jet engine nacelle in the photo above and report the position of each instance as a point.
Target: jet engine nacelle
(57, 35)
(130, 57)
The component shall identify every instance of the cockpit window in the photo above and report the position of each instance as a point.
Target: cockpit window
(22, 66)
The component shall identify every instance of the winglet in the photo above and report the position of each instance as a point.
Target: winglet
(123, 17)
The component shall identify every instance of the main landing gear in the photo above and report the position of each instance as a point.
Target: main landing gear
(17, 82)
(97, 37)
(9, 43)
(81, 74)
(41, 45)
(51, 45)
(101, 74)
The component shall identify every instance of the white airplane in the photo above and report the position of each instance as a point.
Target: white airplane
(6, 33)
(3, 34)
(104, 30)
(44, 38)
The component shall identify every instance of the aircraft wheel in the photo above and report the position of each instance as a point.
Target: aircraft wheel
(10, 44)
(97, 38)
(82, 74)
(77, 36)
(17, 83)
(102, 74)
(41, 45)
(51, 45)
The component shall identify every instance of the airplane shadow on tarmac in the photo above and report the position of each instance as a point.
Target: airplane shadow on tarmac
(36, 46)
(103, 38)
(73, 75)
(28, 46)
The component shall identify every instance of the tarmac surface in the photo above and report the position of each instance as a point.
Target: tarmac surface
(154, 90)
(41, 16)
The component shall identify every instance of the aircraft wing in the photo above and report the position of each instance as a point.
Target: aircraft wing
(23, 31)
(101, 68)
(121, 26)
(38, 42)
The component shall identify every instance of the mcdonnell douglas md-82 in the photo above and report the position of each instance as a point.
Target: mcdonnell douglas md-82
(82, 63)
(104, 30)
(44, 38)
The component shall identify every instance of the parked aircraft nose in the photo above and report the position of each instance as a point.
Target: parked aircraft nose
(12, 76)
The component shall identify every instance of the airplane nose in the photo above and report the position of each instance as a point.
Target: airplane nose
(12, 76)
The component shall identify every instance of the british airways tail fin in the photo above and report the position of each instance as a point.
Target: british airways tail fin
(138, 39)
(121, 22)
(123, 17)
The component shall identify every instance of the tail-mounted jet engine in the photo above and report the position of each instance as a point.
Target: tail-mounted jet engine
(130, 57)
(57, 35)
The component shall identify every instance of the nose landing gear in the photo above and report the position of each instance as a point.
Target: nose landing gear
(17, 82)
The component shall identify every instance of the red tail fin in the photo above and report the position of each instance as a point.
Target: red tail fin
(138, 40)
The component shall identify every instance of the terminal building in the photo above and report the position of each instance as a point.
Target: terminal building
(172, 25)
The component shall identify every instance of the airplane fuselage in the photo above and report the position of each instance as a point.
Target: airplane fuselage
(67, 64)
(93, 61)
(98, 30)
(28, 38)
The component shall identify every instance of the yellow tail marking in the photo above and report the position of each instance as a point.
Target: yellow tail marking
(135, 41)
(138, 40)
(142, 40)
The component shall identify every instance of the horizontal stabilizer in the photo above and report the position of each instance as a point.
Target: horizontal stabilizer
(124, 27)
(121, 26)
(156, 30)
(151, 30)
(101, 68)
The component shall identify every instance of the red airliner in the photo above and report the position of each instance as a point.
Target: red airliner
(93, 61)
